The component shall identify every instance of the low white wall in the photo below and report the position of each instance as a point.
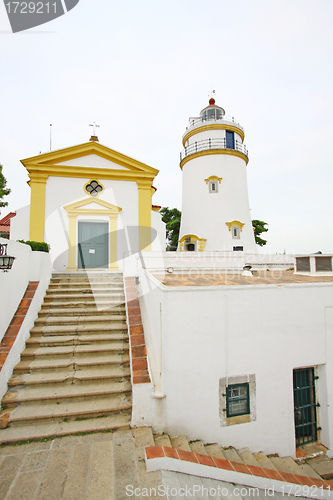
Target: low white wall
(208, 334)
(20, 224)
(28, 266)
(207, 262)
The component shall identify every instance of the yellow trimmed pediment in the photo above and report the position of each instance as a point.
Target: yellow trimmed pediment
(213, 178)
(61, 163)
(88, 205)
(235, 223)
(193, 237)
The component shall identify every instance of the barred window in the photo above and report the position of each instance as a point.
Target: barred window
(238, 400)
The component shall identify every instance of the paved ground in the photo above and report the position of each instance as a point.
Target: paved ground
(91, 467)
(197, 277)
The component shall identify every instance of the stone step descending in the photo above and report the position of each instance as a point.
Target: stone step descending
(232, 455)
(247, 457)
(78, 319)
(67, 352)
(79, 339)
(96, 305)
(84, 297)
(52, 312)
(119, 373)
(318, 467)
(70, 410)
(38, 431)
(84, 328)
(162, 440)
(180, 442)
(67, 391)
(80, 284)
(213, 450)
(74, 374)
(198, 447)
(74, 362)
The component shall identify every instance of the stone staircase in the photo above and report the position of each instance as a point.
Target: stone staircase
(317, 466)
(74, 374)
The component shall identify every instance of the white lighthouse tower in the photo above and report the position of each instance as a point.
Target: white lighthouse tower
(215, 204)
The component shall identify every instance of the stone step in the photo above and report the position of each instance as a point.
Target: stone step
(72, 362)
(78, 319)
(70, 292)
(198, 447)
(283, 464)
(68, 340)
(86, 297)
(74, 350)
(74, 374)
(247, 457)
(56, 429)
(115, 326)
(119, 373)
(64, 392)
(264, 461)
(80, 311)
(162, 440)
(80, 284)
(69, 410)
(99, 305)
(307, 470)
(214, 450)
(322, 465)
(231, 454)
(180, 442)
(87, 277)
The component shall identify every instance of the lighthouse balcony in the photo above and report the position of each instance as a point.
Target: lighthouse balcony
(214, 144)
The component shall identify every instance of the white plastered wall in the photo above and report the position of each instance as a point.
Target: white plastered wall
(20, 224)
(212, 333)
(28, 266)
(64, 191)
(205, 214)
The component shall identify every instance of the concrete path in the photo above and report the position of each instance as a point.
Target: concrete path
(91, 467)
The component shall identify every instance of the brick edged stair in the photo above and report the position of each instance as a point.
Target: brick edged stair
(74, 374)
(314, 467)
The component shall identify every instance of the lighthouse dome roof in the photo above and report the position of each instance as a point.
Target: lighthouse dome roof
(212, 111)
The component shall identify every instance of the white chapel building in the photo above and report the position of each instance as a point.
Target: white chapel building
(92, 205)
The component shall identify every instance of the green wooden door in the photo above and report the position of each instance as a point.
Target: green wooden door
(93, 245)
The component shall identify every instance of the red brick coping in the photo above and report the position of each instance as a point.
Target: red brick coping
(197, 458)
(15, 325)
(136, 334)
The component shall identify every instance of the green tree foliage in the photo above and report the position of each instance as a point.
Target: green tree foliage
(171, 217)
(259, 227)
(3, 190)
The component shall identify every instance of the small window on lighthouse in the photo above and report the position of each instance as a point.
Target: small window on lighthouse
(213, 187)
(235, 232)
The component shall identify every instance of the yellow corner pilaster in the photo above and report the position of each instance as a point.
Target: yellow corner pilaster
(113, 266)
(71, 242)
(144, 215)
(37, 206)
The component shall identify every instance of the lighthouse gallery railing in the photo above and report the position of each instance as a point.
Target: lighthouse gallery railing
(207, 144)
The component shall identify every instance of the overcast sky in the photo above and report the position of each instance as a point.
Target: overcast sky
(141, 69)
